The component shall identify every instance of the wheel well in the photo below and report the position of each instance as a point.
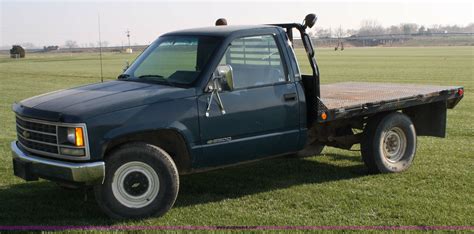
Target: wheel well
(169, 140)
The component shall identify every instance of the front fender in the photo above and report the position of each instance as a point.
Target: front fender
(180, 115)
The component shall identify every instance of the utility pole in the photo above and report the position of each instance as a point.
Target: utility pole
(129, 50)
(100, 51)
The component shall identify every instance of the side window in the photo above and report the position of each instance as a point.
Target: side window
(255, 61)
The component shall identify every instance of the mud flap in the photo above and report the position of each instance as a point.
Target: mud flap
(429, 119)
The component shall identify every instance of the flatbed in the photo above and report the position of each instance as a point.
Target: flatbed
(350, 99)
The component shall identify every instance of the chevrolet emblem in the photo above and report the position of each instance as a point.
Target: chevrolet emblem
(26, 134)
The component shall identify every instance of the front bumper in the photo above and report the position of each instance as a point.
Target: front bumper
(30, 167)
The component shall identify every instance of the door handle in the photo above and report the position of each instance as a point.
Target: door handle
(289, 97)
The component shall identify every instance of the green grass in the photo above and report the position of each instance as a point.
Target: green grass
(332, 189)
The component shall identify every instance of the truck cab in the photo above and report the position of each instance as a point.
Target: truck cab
(207, 98)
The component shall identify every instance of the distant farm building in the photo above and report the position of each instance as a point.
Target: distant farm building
(17, 52)
(50, 48)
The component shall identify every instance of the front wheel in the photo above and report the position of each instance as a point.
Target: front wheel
(141, 180)
(389, 143)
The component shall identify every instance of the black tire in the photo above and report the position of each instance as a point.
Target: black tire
(135, 192)
(389, 143)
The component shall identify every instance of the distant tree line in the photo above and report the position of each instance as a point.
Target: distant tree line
(373, 27)
(73, 44)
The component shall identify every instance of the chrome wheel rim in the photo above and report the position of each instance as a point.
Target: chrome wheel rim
(394, 145)
(135, 184)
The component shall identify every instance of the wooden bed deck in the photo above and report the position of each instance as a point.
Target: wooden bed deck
(357, 94)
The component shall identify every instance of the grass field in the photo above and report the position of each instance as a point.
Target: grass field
(332, 189)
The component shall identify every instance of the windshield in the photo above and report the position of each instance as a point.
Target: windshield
(173, 60)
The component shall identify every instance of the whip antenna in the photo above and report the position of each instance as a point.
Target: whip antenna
(100, 53)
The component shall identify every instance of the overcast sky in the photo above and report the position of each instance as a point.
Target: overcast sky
(54, 22)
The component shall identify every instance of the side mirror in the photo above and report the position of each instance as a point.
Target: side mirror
(310, 20)
(223, 78)
(126, 66)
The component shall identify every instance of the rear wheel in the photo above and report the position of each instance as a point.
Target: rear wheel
(141, 180)
(389, 143)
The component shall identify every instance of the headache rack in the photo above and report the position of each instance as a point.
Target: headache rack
(40, 138)
(310, 82)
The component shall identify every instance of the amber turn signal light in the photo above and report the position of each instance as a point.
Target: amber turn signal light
(79, 137)
(324, 116)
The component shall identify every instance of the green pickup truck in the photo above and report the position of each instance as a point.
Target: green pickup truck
(207, 98)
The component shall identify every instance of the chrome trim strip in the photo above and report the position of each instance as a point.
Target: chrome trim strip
(57, 140)
(91, 172)
(236, 140)
(58, 124)
(29, 130)
(51, 144)
(39, 152)
(39, 142)
(44, 153)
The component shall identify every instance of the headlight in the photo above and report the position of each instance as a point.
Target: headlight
(75, 136)
(72, 140)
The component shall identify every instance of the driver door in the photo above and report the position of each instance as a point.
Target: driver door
(261, 111)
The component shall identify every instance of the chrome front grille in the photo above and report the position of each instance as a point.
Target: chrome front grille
(35, 126)
(34, 146)
(41, 138)
(37, 135)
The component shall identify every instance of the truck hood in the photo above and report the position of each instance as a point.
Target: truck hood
(87, 101)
